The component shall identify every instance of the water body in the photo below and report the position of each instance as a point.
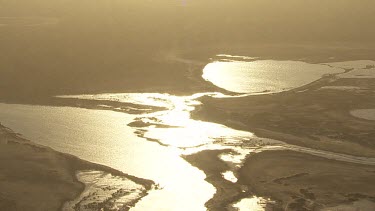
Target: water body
(152, 146)
(257, 204)
(104, 137)
(264, 76)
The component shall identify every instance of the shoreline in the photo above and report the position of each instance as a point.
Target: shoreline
(299, 181)
(48, 168)
(230, 120)
(188, 65)
(59, 48)
(292, 116)
(226, 192)
(192, 83)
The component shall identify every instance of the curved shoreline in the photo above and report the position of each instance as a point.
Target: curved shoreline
(302, 141)
(65, 168)
(265, 115)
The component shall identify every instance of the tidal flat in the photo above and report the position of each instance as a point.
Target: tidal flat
(35, 177)
(182, 101)
(214, 140)
(314, 117)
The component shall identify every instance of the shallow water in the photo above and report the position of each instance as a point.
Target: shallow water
(150, 145)
(104, 137)
(151, 150)
(229, 175)
(264, 76)
(83, 132)
(104, 190)
(256, 204)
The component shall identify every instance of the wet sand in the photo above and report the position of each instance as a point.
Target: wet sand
(291, 180)
(33, 177)
(307, 116)
(99, 48)
(226, 192)
(293, 117)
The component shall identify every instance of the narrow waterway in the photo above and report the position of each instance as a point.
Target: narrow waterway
(148, 145)
(104, 137)
(151, 148)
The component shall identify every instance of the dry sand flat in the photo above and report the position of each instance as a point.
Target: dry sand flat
(38, 178)
(299, 181)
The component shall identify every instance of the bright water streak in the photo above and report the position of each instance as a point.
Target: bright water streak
(104, 137)
(253, 204)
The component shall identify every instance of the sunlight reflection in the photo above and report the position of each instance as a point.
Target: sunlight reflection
(175, 128)
(253, 204)
(105, 191)
(264, 76)
(229, 175)
(104, 137)
(180, 130)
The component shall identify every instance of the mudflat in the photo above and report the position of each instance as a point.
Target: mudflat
(298, 181)
(308, 116)
(311, 116)
(289, 180)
